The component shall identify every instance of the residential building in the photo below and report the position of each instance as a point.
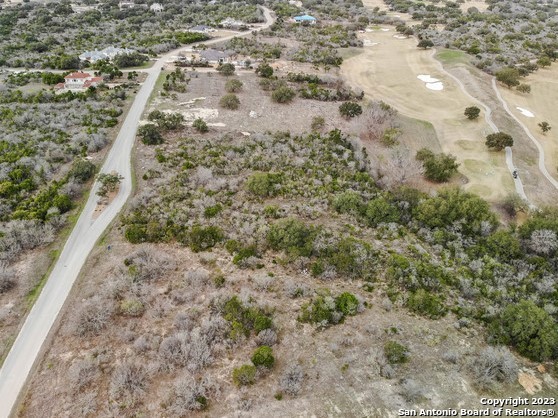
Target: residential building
(107, 53)
(305, 19)
(79, 81)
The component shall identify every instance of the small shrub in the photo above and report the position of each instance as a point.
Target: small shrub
(283, 94)
(350, 109)
(437, 167)
(229, 101)
(226, 69)
(318, 123)
(233, 86)
(263, 356)
(82, 170)
(244, 375)
(132, 307)
(200, 125)
(347, 303)
(264, 70)
(396, 353)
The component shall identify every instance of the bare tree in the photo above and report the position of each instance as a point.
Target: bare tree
(291, 381)
(494, 364)
(375, 120)
(189, 395)
(81, 373)
(129, 381)
(93, 316)
(543, 241)
(7, 278)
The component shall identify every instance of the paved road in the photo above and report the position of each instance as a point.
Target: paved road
(488, 118)
(26, 348)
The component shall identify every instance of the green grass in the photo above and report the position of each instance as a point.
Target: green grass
(451, 56)
(417, 134)
(158, 87)
(7, 343)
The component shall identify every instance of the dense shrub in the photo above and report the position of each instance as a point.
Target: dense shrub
(348, 202)
(292, 236)
(283, 94)
(263, 356)
(326, 310)
(229, 101)
(202, 238)
(150, 135)
(245, 319)
(233, 86)
(453, 206)
(426, 304)
(396, 353)
(264, 70)
(200, 125)
(494, 365)
(244, 375)
(226, 69)
(530, 329)
(379, 211)
(264, 184)
(82, 170)
(350, 109)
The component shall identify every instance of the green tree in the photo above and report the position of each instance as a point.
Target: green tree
(347, 303)
(425, 44)
(226, 69)
(544, 62)
(263, 356)
(150, 135)
(350, 109)
(472, 112)
(230, 101)
(508, 76)
(545, 127)
(379, 210)
(82, 170)
(498, 141)
(454, 206)
(437, 167)
(52, 78)
(530, 329)
(109, 183)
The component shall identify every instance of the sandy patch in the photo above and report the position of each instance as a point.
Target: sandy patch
(399, 36)
(368, 42)
(525, 112)
(530, 383)
(385, 29)
(435, 86)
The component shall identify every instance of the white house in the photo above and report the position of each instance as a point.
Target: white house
(229, 22)
(107, 53)
(202, 29)
(79, 81)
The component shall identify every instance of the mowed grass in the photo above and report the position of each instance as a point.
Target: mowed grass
(451, 56)
(347, 53)
(417, 134)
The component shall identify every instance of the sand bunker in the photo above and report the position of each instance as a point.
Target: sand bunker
(369, 30)
(367, 42)
(525, 112)
(435, 86)
(431, 83)
(399, 36)
(385, 29)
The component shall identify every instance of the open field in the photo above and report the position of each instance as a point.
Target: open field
(392, 77)
(541, 102)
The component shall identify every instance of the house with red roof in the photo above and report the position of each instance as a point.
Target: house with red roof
(79, 81)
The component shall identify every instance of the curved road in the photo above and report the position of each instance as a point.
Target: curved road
(542, 166)
(26, 348)
(488, 118)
